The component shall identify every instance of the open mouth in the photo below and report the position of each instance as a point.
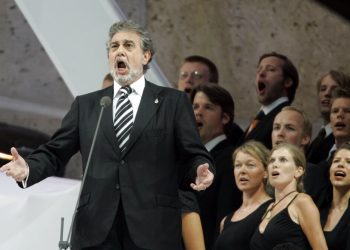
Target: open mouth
(121, 66)
(339, 174)
(275, 173)
(325, 102)
(199, 124)
(261, 87)
(188, 90)
(243, 180)
(339, 125)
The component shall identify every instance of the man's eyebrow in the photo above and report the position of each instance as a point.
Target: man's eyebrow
(129, 41)
(123, 41)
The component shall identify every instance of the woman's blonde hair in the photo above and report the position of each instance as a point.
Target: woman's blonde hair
(255, 149)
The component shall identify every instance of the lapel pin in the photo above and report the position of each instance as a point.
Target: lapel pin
(156, 101)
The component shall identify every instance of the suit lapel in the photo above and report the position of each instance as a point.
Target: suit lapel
(150, 102)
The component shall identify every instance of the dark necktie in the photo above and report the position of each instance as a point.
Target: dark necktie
(123, 121)
(255, 122)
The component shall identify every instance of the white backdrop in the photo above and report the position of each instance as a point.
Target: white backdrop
(30, 218)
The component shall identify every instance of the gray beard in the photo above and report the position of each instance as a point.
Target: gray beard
(126, 79)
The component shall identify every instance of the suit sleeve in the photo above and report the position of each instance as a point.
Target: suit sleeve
(51, 157)
(191, 149)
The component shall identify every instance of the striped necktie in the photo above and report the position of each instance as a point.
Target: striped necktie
(123, 121)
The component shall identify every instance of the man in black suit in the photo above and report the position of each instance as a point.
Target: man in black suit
(317, 183)
(130, 198)
(323, 142)
(276, 83)
(196, 70)
(214, 111)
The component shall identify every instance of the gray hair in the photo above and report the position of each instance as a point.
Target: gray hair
(130, 26)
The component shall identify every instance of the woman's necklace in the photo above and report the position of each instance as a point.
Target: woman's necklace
(268, 212)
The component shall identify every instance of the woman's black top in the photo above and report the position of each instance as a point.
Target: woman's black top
(237, 234)
(339, 237)
(280, 229)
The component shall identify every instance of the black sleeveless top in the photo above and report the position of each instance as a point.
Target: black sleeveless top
(280, 229)
(339, 237)
(236, 235)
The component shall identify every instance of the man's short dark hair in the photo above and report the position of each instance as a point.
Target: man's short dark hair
(289, 71)
(218, 96)
(213, 71)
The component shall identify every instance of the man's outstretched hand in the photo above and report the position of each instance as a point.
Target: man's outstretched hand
(204, 178)
(17, 168)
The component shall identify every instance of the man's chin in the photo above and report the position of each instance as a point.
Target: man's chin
(124, 79)
(128, 78)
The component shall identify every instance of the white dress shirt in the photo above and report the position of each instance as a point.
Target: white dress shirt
(134, 97)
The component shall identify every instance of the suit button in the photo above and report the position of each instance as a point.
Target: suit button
(117, 187)
(122, 162)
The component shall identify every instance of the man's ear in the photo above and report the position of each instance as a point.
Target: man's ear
(225, 118)
(305, 140)
(146, 57)
(288, 83)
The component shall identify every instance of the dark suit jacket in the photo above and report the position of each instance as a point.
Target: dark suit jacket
(163, 152)
(317, 153)
(262, 132)
(317, 183)
(222, 197)
(235, 134)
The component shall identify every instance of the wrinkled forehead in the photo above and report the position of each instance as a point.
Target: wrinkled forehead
(126, 36)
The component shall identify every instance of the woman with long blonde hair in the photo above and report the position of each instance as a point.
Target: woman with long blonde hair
(293, 217)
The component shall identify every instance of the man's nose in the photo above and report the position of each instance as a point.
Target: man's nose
(120, 50)
(281, 132)
(261, 73)
(340, 114)
(198, 111)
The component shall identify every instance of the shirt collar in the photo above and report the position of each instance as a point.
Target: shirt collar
(268, 108)
(328, 129)
(213, 142)
(138, 86)
(330, 153)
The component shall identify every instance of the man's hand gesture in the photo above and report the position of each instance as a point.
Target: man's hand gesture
(204, 178)
(17, 168)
